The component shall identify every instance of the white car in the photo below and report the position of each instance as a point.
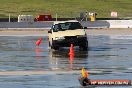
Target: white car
(63, 34)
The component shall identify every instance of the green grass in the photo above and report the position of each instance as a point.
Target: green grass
(65, 8)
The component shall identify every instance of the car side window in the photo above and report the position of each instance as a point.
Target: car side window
(52, 28)
(55, 28)
(62, 27)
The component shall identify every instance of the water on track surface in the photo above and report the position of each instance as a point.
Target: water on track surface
(107, 58)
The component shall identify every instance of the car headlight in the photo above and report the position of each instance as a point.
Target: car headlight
(59, 38)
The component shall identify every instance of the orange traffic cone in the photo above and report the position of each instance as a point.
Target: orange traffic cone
(71, 50)
(39, 41)
(71, 60)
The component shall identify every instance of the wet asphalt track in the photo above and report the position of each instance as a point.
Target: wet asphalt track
(39, 67)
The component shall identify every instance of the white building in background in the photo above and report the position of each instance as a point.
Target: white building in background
(114, 14)
(25, 18)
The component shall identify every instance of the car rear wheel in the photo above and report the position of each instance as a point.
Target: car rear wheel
(84, 46)
(54, 46)
(49, 44)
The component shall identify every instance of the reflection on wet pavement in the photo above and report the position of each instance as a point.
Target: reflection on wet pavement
(38, 67)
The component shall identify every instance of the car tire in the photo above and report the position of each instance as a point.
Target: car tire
(84, 46)
(49, 44)
(53, 46)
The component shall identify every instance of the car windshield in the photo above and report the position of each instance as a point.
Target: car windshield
(67, 26)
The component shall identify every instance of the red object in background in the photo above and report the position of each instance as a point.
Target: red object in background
(44, 18)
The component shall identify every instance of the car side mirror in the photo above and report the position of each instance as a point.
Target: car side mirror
(49, 31)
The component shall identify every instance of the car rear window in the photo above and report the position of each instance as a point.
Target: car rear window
(67, 26)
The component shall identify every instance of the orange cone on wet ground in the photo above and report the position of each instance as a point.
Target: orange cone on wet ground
(71, 50)
(71, 58)
(38, 42)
